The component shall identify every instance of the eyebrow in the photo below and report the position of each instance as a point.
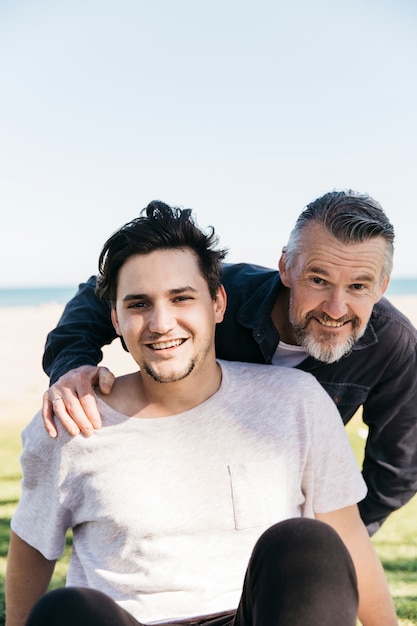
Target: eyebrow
(362, 278)
(171, 292)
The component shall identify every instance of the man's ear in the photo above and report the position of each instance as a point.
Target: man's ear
(384, 285)
(115, 321)
(220, 302)
(283, 268)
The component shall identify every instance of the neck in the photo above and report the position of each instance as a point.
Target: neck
(138, 395)
(280, 317)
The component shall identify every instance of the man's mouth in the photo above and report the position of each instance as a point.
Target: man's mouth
(163, 345)
(330, 323)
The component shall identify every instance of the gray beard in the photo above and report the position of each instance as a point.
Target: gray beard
(321, 349)
(323, 352)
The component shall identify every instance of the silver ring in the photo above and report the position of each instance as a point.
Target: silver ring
(56, 400)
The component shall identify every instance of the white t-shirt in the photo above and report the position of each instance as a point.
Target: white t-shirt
(166, 511)
(288, 355)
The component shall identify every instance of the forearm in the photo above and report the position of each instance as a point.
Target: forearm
(390, 462)
(27, 579)
(376, 607)
(390, 412)
(84, 328)
(390, 474)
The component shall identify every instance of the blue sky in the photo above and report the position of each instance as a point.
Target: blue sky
(243, 111)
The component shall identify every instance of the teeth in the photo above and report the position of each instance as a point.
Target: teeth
(166, 344)
(331, 323)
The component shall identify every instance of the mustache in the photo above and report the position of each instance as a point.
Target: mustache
(323, 317)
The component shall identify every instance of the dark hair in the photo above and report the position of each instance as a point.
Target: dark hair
(158, 227)
(350, 217)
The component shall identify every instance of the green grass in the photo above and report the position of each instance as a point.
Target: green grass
(396, 542)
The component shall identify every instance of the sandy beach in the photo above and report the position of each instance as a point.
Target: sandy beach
(23, 332)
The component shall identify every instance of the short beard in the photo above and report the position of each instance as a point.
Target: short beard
(169, 378)
(322, 349)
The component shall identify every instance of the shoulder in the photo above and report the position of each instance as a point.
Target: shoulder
(36, 440)
(125, 400)
(390, 323)
(236, 275)
(281, 381)
(282, 399)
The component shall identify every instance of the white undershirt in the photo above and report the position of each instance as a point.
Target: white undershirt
(288, 355)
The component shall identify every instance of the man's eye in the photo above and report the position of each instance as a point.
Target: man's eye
(182, 298)
(137, 305)
(358, 287)
(317, 281)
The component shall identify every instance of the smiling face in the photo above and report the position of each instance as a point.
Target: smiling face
(333, 288)
(166, 315)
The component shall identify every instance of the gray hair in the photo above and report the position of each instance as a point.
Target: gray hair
(350, 217)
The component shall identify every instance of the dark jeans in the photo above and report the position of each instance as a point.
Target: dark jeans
(299, 573)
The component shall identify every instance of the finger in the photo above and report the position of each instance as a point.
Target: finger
(72, 420)
(105, 380)
(48, 416)
(89, 406)
(81, 398)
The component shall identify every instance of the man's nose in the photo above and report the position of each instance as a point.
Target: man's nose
(335, 305)
(161, 319)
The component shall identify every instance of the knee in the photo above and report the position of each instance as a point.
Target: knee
(303, 544)
(62, 606)
(301, 568)
(300, 533)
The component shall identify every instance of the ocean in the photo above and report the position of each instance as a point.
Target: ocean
(402, 287)
(34, 296)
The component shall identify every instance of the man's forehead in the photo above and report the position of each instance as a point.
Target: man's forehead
(316, 240)
(163, 259)
(320, 251)
(171, 269)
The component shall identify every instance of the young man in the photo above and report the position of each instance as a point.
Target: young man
(323, 314)
(200, 468)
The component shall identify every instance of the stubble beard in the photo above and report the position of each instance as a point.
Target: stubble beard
(176, 375)
(169, 377)
(324, 349)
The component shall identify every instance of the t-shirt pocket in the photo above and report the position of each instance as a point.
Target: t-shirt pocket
(263, 493)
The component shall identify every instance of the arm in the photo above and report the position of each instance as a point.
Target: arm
(27, 579)
(376, 607)
(390, 463)
(85, 326)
